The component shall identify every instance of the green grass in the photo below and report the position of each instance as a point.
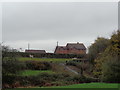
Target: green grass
(44, 59)
(88, 85)
(85, 85)
(34, 72)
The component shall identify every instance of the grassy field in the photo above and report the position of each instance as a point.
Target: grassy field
(85, 85)
(89, 85)
(34, 72)
(44, 59)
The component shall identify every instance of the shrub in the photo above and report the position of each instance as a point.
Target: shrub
(38, 65)
(43, 79)
(111, 71)
(8, 79)
(46, 55)
(81, 79)
(97, 47)
(72, 63)
(10, 68)
(107, 62)
(30, 81)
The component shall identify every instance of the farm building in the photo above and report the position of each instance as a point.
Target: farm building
(35, 51)
(71, 48)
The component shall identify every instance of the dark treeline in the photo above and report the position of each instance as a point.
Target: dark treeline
(46, 55)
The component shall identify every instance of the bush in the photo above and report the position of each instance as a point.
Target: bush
(43, 79)
(107, 63)
(97, 47)
(26, 81)
(38, 65)
(72, 63)
(111, 71)
(8, 79)
(81, 79)
(46, 55)
(10, 68)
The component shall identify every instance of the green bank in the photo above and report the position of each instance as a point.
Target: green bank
(84, 86)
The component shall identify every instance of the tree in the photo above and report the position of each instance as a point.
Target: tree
(10, 66)
(111, 70)
(107, 61)
(97, 48)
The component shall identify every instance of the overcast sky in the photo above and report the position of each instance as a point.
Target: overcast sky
(43, 24)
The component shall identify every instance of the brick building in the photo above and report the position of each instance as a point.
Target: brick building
(71, 48)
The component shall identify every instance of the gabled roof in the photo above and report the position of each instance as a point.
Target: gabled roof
(35, 51)
(71, 48)
(76, 45)
(61, 47)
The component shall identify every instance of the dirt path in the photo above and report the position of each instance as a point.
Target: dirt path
(69, 69)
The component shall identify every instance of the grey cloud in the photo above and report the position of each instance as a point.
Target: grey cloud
(58, 21)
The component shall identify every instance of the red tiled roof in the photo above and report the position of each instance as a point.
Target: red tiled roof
(35, 51)
(76, 45)
(70, 46)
